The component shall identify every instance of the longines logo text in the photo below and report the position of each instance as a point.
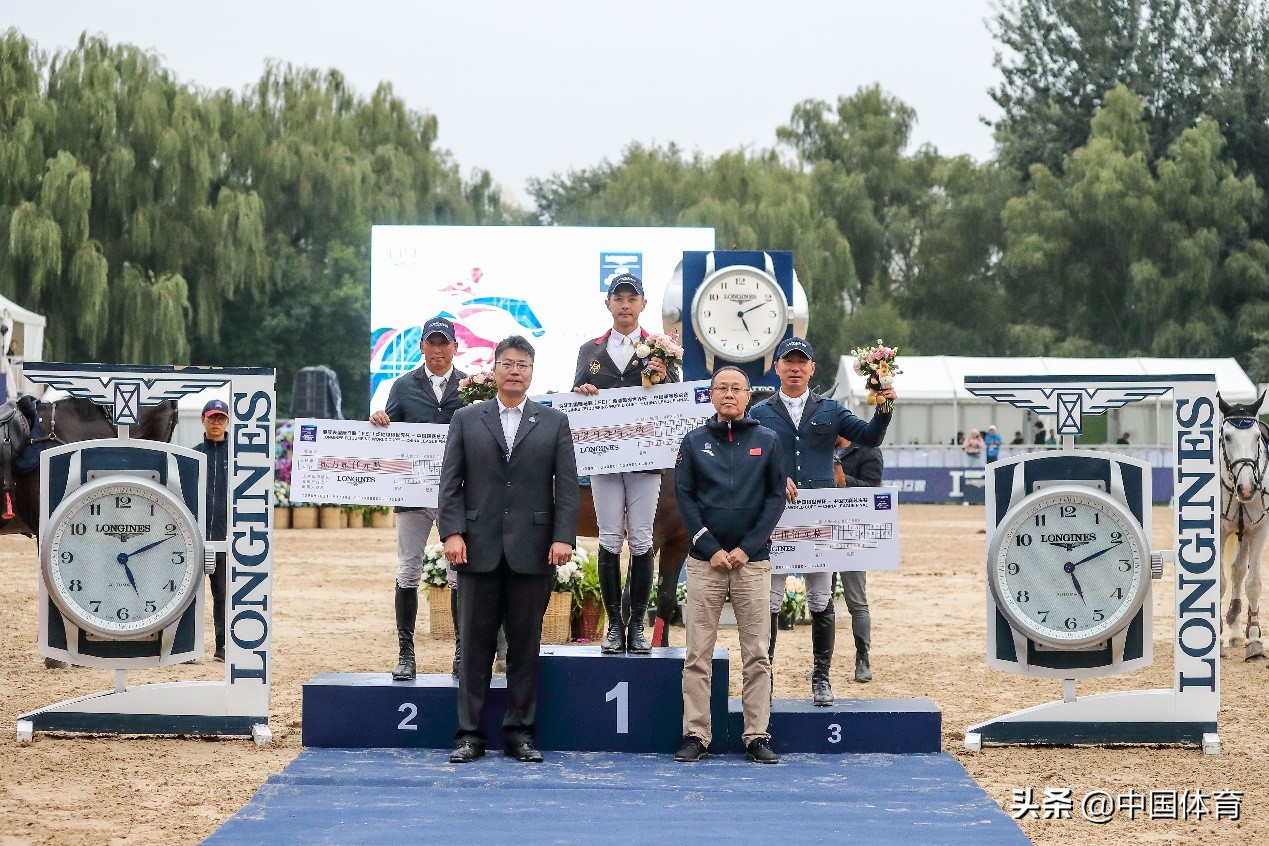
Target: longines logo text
(123, 531)
(1068, 541)
(740, 298)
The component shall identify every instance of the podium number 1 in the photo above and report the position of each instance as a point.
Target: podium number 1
(621, 693)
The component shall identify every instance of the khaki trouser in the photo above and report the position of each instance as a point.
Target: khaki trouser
(706, 589)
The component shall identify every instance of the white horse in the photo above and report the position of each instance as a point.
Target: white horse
(1244, 504)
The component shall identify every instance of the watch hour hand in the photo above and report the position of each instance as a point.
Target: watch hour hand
(1078, 589)
(743, 322)
(123, 559)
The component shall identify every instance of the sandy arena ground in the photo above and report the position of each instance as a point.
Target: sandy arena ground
(333, 612)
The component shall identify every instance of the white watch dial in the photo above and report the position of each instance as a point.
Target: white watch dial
(739, 313)
(1068, 566)
(122, 558)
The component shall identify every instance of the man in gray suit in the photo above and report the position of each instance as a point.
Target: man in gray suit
(508, 514)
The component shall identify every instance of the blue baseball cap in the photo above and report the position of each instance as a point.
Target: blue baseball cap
(215, 407)
(794, 345)
(439, 326)
(628, 279)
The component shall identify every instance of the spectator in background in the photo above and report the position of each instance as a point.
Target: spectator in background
(991, 442)
(973, 446)
(1038, 436)
(216, 448)
(1052, 439)
(1018, 440)
(1123, 439)
(956, 441)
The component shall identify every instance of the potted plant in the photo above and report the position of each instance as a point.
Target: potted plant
(436, 581)
(354, 516)
(331, 516)
(557, 623)
(281, 504)
(793, 608)
(303, 515)
(588, 606)
(380, 516)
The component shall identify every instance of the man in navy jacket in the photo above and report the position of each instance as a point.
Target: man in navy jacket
(730, 483)
(808, 426)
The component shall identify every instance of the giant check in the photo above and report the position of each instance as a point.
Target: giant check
(354, 462)
(831, 529)
(632, 428)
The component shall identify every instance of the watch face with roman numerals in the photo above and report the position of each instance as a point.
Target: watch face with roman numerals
(122, 558)
(739, 313)
(1067, 566)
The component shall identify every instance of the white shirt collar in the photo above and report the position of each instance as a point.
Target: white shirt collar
(788, 400)
(502, 408)
(436, 380)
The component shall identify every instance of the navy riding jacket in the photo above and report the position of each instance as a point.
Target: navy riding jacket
(808, 448)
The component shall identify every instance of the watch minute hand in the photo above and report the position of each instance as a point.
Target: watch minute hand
(1096, 554)
(752, 307)
(150, 546)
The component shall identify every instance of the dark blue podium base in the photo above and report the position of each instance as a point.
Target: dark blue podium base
(586, 702)
(895, 726)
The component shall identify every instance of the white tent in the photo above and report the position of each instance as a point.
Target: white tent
(935, 404)
(28, 335)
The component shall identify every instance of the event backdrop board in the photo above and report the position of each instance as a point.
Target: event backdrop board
(546, 283)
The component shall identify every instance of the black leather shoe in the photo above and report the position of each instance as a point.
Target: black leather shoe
(759, 751)
(691, 749)
(524, 751)
(466, 752)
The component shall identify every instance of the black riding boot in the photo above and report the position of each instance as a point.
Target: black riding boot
(775, 619)
(823, 631)
(610, 590)
(407, 602)
(639, 580)
(458, 638)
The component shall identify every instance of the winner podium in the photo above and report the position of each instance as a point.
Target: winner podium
(589, 702)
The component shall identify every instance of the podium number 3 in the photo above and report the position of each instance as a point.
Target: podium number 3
(834, 733)
(621, 693)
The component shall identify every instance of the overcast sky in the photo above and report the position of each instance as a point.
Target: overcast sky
(528, 89)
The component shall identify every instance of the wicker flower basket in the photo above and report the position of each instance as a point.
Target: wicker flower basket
(557, 623)
(303, 518)
(438, 609)
(586, 620)
(281, 517)
(331, 517)
(355, 517)
(382, 520)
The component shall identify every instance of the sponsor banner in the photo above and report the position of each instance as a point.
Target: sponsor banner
(354, 462)
(833, 529)
(966, 484)
(625, 429)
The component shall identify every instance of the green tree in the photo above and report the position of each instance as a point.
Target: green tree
(1122, 255)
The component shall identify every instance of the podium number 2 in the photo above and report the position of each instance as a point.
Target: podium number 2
(411, 711)
(621, 693)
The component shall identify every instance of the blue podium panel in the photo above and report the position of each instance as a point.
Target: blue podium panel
(586, 702)
(895, 726)
(620, 703)
(355, 710)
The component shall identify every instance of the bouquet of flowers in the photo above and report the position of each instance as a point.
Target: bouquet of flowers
(793, 607)
(877, 365)
(664, 347)
(477, 387)
(281, 494)
(569, 575)
(434, 572)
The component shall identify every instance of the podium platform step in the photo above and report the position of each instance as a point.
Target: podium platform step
(586, 702)
(897, 726)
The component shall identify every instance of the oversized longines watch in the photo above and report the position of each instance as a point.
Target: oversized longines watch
(739, 313)
(1068, 566)
(122, 557)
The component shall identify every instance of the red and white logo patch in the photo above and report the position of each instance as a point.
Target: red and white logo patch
(756, 451)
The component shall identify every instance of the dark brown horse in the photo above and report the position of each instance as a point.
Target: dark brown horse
(69, 421)
(669, 540)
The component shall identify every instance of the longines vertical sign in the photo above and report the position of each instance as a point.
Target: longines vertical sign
(1197, 550)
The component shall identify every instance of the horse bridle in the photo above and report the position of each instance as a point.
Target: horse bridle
(1256, 465)
(52, 437)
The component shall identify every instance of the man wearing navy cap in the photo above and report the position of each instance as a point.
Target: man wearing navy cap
(216, 448)
(625, 503)
(427, 394)
(808, 426)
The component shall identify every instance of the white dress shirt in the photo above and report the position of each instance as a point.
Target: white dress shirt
(510, 417)
(621, 347)
(795, 405)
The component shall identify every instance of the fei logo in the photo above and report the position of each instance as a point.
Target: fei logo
(702, 396)
(308, 432)
(881, 502)
(612, 265)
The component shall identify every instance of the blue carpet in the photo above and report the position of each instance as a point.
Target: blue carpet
(390, 796)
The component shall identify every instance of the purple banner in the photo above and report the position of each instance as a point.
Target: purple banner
(966, 484)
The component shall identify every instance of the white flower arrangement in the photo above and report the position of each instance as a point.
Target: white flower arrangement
(434, 573)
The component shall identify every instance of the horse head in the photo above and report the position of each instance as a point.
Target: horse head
(1244, 456)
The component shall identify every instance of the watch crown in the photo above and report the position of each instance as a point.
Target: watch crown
(209, 561)
(1156, 565)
